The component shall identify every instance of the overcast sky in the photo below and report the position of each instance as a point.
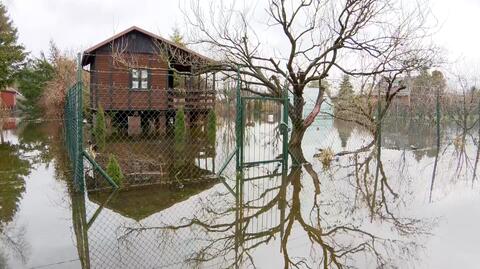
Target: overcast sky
(78, 24)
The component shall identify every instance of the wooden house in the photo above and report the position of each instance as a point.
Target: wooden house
(141, 77)
(402, 97)
(8, 99)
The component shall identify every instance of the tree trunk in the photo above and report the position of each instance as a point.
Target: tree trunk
(298, 131)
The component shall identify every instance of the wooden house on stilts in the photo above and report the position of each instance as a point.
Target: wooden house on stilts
(142, 79)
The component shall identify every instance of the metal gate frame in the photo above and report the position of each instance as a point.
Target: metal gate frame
(240, 135)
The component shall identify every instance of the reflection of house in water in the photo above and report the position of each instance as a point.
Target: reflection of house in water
(104, 241)
(420, 137)
(99, 223)
(402, 97)
(141, 203)
(9, 123)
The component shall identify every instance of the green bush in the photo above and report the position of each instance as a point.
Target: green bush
(100, 129)
(211, 126)
(180, 131)
(114, 170)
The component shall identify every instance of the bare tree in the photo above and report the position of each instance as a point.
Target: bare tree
(463, 109)
(229, 232)
(317, 38)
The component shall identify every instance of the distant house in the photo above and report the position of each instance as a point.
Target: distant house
(402, 97)
(9, 98)
(140, 76)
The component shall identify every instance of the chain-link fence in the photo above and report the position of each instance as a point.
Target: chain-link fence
(439, 130)
(184, 139)
(134, 127)
(150, 134)
(73, 121)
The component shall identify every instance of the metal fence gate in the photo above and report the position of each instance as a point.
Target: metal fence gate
(261, 133)
(260, 137)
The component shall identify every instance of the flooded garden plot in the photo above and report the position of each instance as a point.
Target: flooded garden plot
(259, 134)
(315, 212)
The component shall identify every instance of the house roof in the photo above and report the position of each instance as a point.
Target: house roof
(401, 81)
(92, 49)
(12, 90)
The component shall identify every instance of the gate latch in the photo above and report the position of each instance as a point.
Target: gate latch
(284, 128)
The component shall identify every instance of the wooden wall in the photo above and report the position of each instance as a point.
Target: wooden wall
(110, 82)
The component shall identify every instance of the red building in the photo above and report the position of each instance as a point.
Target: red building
(8, 99)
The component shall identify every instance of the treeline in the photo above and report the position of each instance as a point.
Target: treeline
(425, 94)
(41, 80)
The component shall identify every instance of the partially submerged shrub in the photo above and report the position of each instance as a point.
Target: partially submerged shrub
(180, 131)
(114, 170)
(211, 126)
(326, 157)
(459, 142)
(100, 129)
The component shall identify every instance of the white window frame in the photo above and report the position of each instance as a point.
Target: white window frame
(140, 77)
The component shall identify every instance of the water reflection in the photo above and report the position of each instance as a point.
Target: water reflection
(23, 147)
(144, 202)
(307, 219)
(310, 218)
(13, 168)
(344, 131)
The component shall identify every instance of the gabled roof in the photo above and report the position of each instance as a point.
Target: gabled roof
(92, 49)
(10, 89)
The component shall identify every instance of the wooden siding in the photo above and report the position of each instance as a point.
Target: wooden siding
(8, 100)
(111, 84)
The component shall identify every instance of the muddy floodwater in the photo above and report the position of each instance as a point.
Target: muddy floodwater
(319, 214)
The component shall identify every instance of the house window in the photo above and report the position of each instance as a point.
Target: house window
(140, 79)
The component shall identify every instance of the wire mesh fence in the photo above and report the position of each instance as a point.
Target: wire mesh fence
(143, 126)
(155, 135)
(73, 121)
(181, 132)
(182, 224)
(439, 129)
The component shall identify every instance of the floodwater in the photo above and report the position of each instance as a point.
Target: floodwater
(313, 216)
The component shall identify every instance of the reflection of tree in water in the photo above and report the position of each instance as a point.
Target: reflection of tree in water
(13, 169)
(404, 134)
(3, 259)
(44, 140)
(12, 239)
(344, 130)
(334, 222)
(38, 143)
(34, 139)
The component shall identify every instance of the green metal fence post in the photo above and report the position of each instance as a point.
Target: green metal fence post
(285, 127)
(379, 145)
(438, 118)
(238, 123)
(285, 152)
(80, 175)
